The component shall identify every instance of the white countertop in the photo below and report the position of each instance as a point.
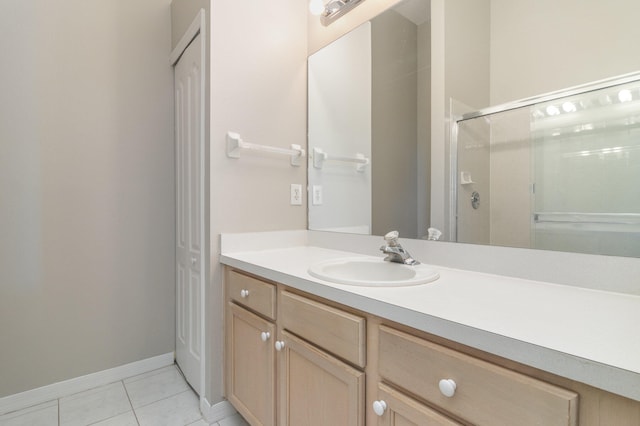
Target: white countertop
(591, 336)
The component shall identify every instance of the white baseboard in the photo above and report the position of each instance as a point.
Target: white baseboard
(215, 412)
(82, 383)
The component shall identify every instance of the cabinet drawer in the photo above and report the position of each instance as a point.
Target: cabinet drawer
(253, 293)
(403, 410)
(338, 332)
(485, 394)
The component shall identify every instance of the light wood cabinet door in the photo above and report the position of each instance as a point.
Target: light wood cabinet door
(251, 366)
(317, 389)
(401, 410)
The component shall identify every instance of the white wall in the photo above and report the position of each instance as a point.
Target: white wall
(86, 188)
(257, 87)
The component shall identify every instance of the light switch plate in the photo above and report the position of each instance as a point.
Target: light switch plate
(316, 195)
(296, 194)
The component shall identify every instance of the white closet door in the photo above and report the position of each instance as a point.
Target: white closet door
(189, 141)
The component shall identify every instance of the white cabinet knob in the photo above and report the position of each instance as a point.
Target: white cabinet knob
(265, 336)
(193, 260)
(447, 387)
(279, 345)
(379, 407)
(244, 293)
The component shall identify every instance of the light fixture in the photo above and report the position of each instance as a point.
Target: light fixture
(332, 10)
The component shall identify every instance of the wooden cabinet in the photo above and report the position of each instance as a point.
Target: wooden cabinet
(292, 360)
(295, 359)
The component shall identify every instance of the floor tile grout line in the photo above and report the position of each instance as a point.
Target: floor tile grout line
(114, 382)
(194, 391)
(27, 408)
(166, 397)
(89, 390)
(148, 374)
(115, 415)
(135, 415)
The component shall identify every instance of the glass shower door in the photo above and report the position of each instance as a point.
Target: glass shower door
(586, 172)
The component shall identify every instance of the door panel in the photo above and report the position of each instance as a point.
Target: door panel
(189, 146)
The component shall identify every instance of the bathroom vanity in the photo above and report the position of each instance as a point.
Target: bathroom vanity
(300, 350)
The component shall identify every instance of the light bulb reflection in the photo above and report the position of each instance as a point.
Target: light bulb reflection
(552, 110)
(625, 95)
(316, 7)
(568, 107)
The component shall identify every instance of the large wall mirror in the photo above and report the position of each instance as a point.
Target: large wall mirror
(383, 97)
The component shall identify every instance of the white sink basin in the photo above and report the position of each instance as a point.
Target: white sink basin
(372, 272)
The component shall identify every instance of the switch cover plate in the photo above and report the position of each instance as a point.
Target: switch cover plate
(296, 194)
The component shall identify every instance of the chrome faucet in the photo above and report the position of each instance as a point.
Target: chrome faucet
(395, 252)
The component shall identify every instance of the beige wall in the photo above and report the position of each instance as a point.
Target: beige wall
(394, 42)
(86, 184)
(424, 128)
(546, 45)
(460, 71)
(257, 87)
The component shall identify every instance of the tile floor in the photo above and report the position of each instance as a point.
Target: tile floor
(157, 398)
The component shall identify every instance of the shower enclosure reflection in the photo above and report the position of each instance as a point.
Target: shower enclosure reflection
(561, 172)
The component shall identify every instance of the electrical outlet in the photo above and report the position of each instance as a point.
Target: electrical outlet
(296, 194)
(316, 195)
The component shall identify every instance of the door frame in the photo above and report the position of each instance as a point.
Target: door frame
(198, 27)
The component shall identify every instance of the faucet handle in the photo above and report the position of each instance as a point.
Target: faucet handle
(392, 238)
